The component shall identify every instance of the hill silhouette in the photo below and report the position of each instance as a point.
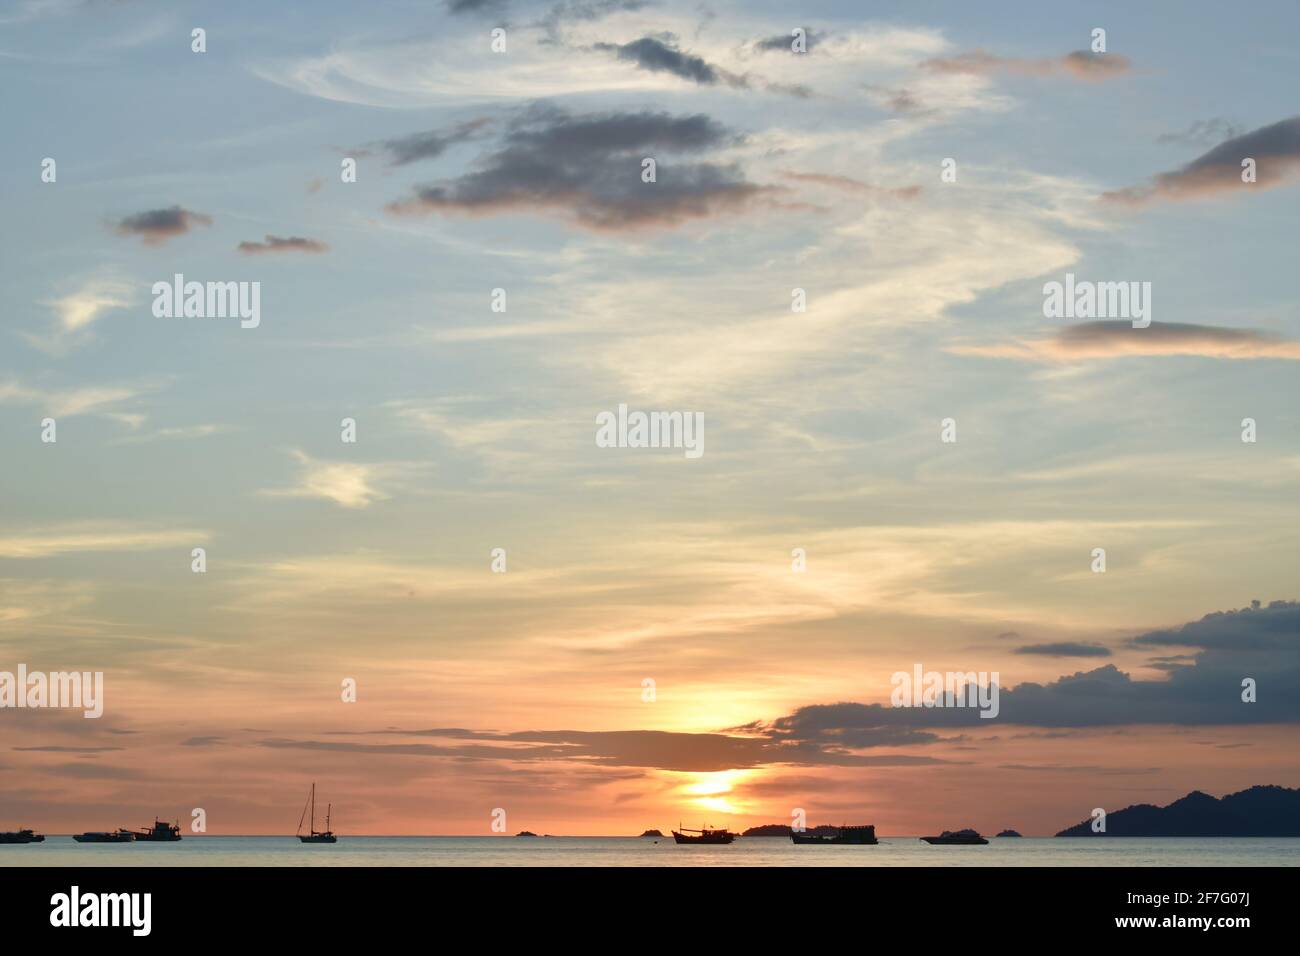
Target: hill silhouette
(1265, 811)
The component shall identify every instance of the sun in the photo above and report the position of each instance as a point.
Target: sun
(711, 791)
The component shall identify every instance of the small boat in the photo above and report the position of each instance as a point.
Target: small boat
(856, 836)
(22, 836)
(313, 835)
(956, 838)
(159, 833)
(703, 835)
(101, 836)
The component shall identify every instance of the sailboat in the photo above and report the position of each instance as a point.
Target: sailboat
(312, 835)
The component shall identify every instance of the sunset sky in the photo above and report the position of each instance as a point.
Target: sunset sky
(522, 171)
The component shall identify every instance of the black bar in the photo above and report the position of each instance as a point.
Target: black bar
(440, 906)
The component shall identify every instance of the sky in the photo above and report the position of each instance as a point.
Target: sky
(652, 652)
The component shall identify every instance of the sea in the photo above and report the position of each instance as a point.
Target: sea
(196, 850)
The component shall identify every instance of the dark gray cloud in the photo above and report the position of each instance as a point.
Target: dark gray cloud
(279, 244)
(66, 750)
(432, 143)
(784, 42)
(1208, 132)
(663, 750)
(1261, 643)
(587, 169)
(476, 6)
(1256, 628)
(156, 226)
(1274, 148)
(1065, 649)
(660, 56)
(203, 741)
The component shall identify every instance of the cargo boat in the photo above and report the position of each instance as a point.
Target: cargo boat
(854, 836)
(100, 836)
(159, 833)
(956, 838)
(22, 836)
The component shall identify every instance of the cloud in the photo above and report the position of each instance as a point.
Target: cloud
(1065, 649)
(659, 56)
(1081, 64)
(79, 309)
(586, 169)
(1208, 132)
(432, 143)
(277, 244)
(1275, 149)
(157, 226)
(1111, 338)
(74, 538)
(1256, 628)
(347, 484)
(662, 750)
(848, 184)
(1261, 642)
(88, 400)
(784, 42)
(476, 6)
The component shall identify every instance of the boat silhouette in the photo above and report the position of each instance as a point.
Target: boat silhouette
(22, 836)
(864, 835)
(313, 835)
(160, 832)
(103, 836)
(703, 835)
(956, 838)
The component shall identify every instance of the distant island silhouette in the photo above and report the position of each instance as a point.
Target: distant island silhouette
(652, 833)
(1265, 811)
(525, 833)
(1009, 833)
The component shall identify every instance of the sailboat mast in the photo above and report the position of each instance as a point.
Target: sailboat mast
(328, 808)
(313, 808)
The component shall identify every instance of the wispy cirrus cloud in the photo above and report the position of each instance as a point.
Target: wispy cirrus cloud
(1065, 649)
(1274, 148)
(157, 226)
(87, 400)
(44, 542)
(1080, 64)
(1110, 339)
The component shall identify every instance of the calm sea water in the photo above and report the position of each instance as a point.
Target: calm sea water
(633, 851)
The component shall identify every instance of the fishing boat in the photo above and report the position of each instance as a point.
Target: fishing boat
(22, 836)
(158, 833)
(313, 835)
(102, 836)
(956, 838)
(856, 835)
(703, 835)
